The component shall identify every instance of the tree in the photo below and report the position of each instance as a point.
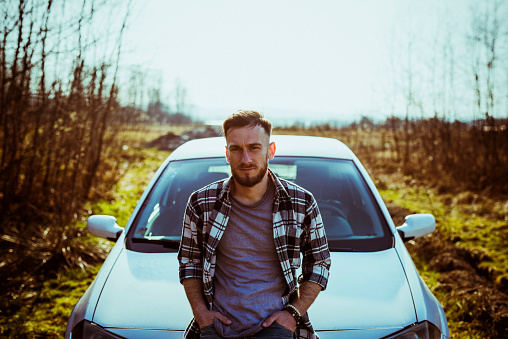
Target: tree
(180, 99)
(55, 113)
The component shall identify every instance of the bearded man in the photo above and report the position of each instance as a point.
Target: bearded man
(243, 240)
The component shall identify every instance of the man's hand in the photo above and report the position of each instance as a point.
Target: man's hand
(284, 318)
(206, 318)
(307, 293)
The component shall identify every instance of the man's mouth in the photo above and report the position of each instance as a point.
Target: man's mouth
(246, 168)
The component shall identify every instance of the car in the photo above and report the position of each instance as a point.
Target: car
(374, 289)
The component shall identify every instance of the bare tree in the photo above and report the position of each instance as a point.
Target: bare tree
(437, 78)
(54, 120)
(180, 100)
(489, 43)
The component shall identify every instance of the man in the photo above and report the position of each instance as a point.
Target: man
(241, 245)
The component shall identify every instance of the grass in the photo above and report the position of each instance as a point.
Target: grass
(59, 295)
(48, 309)
(476, 224)
(139, 165)
(470, 220)
(479, 226)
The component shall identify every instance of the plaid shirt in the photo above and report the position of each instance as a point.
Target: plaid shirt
(297, 229)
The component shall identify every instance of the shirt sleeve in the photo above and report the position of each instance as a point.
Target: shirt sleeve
(316, 255)
(190, 252)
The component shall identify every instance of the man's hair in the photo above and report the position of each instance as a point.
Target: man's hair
(244, 118)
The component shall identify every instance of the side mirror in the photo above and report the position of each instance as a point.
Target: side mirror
(104, 226)
(417, 225)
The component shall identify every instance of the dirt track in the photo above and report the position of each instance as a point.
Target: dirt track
(170, 141)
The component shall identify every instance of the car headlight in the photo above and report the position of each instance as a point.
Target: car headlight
(89, 330)
(423, 330)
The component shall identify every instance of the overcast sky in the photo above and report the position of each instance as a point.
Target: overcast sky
(309, 60)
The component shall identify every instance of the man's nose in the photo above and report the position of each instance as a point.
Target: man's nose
(245, 156)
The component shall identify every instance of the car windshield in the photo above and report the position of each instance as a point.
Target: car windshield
(352, 218)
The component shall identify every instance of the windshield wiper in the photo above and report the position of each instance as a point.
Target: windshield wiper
(342, 249)
(167, 243)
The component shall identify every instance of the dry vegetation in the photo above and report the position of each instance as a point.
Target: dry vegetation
(58, 125)
(452, 157)
(40, 285)
(464, 262)
(60, 146)
(446, 170)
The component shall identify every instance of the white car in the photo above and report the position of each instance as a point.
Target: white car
(374, 289)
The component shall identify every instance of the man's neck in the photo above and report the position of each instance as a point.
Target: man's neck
(250, 195)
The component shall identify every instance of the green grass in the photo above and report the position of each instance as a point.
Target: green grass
(46, 316)
(58, 296)
(140, 165)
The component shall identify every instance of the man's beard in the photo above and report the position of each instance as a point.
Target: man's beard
(247, 180)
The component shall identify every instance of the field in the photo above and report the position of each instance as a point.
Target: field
(464, 262)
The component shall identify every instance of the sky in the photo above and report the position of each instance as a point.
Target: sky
(289, 59)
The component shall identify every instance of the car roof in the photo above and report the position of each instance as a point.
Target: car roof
(286, 145)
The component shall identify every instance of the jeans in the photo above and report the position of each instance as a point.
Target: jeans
(274, 331)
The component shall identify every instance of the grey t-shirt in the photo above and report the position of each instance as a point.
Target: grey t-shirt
(249, 283)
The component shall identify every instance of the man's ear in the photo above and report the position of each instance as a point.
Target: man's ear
(227, 154)
(271, 150)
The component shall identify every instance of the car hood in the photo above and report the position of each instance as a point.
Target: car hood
(365, 291)
(143, 291)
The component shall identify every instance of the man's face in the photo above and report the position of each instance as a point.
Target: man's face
(248, 151)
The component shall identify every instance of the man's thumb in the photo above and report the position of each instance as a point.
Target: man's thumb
(269, 321)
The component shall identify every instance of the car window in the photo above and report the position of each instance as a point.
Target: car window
(352, 219)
